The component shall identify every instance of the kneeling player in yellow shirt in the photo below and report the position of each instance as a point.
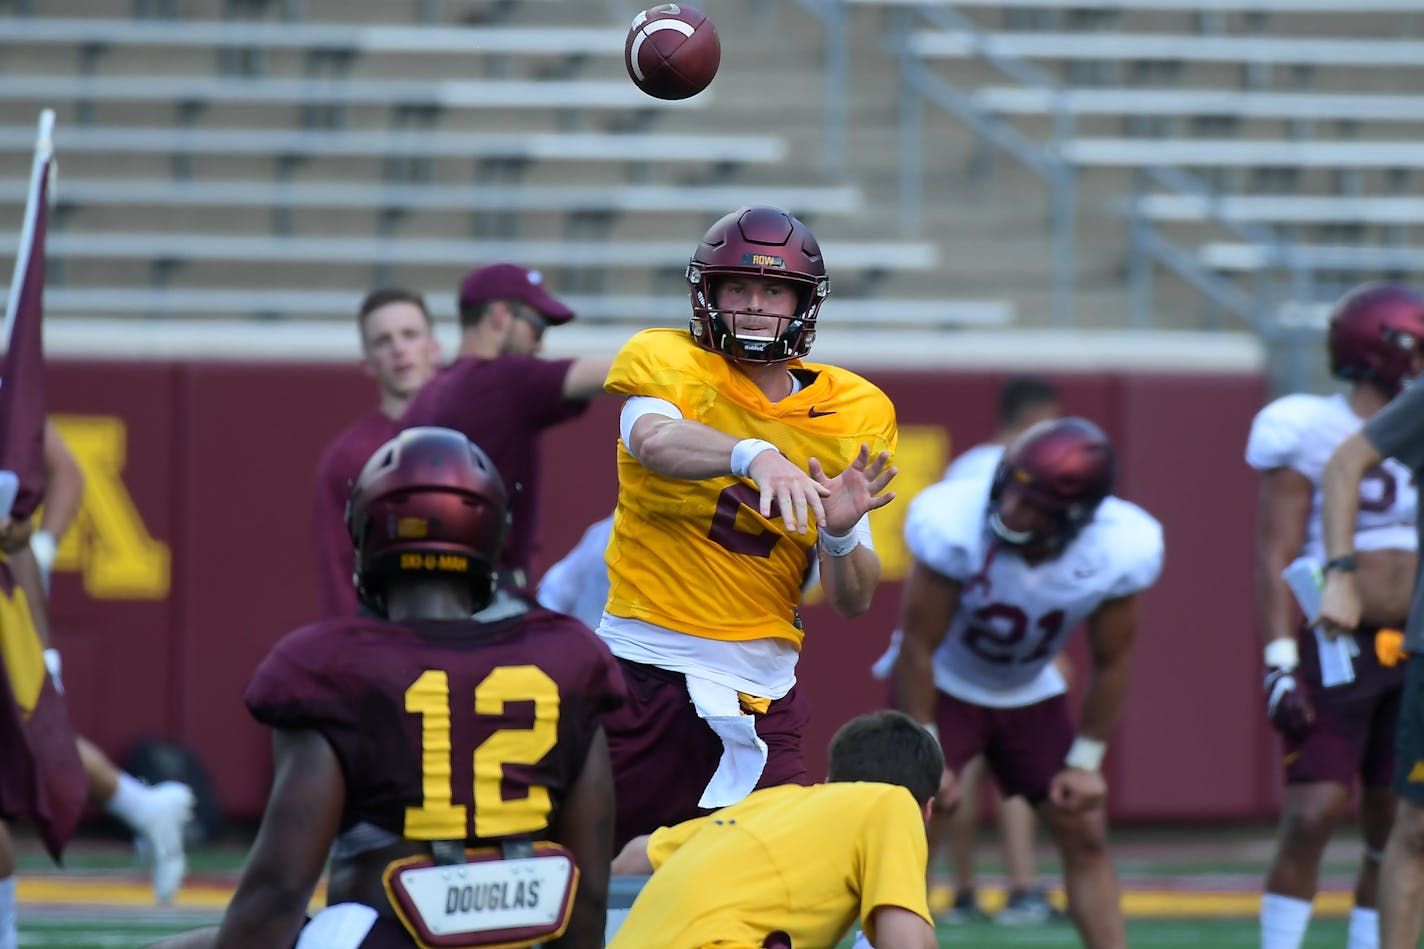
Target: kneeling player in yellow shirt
(797, 866)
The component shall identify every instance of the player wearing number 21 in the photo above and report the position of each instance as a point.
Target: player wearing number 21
(739, 467)
(454, 768)
(1005, 566)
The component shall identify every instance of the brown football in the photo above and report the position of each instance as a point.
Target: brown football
(672, 51)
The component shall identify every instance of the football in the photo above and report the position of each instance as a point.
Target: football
(672, 51)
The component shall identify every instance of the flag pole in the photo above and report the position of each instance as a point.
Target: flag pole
(44, 151)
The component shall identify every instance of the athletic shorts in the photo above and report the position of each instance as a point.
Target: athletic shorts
(663, 754)
(1024, 747)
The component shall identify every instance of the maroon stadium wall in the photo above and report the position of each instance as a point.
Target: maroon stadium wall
(192, 555)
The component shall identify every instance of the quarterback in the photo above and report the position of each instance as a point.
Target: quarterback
(739, 468)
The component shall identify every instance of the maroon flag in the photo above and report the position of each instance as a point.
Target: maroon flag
(41, 778)
(22, 399)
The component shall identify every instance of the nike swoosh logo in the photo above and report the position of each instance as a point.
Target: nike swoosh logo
(814, 414)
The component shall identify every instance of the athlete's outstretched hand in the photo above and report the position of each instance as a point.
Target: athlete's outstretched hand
(797, 495)
(855, 491)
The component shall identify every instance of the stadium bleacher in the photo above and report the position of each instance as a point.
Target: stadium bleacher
(367, 148)
(345, 127)
(1303, 107)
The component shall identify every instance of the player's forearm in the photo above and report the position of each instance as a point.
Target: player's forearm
(850, 581)
(1274, 615)
(1103, 702)
(1340, 491)
(27, 577)
(914, 681)
(589, 916)
(585, 378)
(633, 860)
(63, 497)
(64, 485)
(680, 448)
(263, 914)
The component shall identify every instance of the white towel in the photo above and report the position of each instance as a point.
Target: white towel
(886, 663)
(343, 926)
(1337, 656)
(743, 752)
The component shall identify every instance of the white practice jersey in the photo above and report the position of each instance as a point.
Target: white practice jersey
(1299, 432)
(578, 584)
(1013, 618)
(978, 462)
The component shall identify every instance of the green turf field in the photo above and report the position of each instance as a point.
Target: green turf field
(121, 932)
(1182, 887)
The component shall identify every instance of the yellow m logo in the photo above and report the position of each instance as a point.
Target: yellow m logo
(108, 541)
(920, 455)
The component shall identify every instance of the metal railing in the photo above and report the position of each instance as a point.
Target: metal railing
(1270, 307)
(1291, 344)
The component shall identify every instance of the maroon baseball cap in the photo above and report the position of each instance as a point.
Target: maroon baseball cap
(513, 282)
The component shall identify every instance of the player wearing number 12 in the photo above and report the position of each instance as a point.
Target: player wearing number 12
(739, 466)
(401, 741)
(1004, 568)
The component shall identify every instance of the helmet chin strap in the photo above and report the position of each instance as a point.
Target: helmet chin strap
(1002, 531)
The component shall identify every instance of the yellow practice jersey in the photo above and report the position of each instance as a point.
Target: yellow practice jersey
(807, 861)
(697, 556)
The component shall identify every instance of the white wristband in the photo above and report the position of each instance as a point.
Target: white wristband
(43, 546)
(1086, 753)
(746, 450)
(52, 663)
(1282, 654)
(839, 545)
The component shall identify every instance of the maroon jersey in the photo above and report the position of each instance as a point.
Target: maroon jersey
(502, 405)
(340, 464)
(446, 729)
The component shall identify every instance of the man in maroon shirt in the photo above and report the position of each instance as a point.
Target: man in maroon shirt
(501, 396)
(401, 352)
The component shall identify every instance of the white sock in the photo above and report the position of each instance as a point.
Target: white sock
(1364, 929)
(130, 801)
(1283, 921)
(9, 939)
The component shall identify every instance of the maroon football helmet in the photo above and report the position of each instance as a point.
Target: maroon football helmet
(1375, 332)
(428, 503)
(757, 241)
(1062, 467)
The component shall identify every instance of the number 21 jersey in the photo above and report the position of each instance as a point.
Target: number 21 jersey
(1013, 618)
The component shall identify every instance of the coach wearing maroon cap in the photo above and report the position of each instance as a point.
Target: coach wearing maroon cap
(502, 396)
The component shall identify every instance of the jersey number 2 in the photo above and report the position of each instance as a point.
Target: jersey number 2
(439, 817)
(724, 528)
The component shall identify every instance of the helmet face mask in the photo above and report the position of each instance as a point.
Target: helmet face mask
(757, 242)
(1377, 336)
(429, 504)
(1053, 477)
